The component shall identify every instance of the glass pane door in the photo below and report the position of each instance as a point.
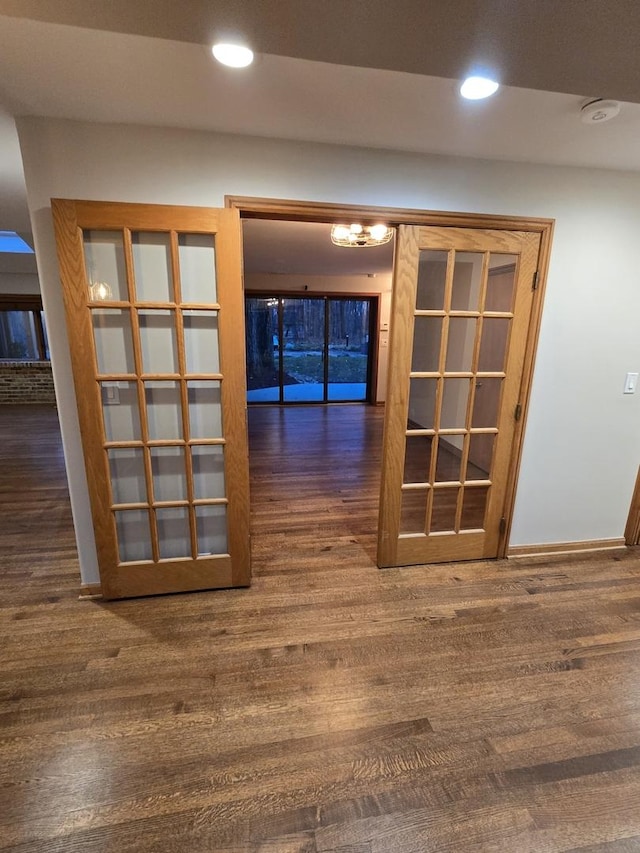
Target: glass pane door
(154, 322)
(455, 376)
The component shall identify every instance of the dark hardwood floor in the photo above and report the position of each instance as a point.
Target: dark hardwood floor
(332, 707)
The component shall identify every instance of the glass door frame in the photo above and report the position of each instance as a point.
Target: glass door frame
(373, 299)
(256, 207)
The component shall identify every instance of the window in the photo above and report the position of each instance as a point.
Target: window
(23, 335)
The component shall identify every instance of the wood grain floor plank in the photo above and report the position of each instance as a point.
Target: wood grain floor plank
(331, 707)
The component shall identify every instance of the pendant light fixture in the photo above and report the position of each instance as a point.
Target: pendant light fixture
(356, 236)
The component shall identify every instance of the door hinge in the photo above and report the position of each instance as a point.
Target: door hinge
(503, 525)
(534, 283)
(518, 412)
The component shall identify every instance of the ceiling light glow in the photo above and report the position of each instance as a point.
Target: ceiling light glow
(341, 232)
(476, 88)
(233, 55)
(378, 232)
(358, 235)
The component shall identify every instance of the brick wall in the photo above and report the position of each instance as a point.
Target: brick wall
(26, 382)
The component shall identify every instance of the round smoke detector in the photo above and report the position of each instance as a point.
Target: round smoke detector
(599, 111)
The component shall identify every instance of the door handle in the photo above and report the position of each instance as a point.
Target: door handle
(478, 384)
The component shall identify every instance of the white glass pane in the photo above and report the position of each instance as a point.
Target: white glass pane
(169, 476)
(486, 405)
(197, 268)
(134, 538)
(208, 471)
(120, 411)
(105, 267)
(174, 538)
(126, 466)
(158, 340)
(500, 284)
(422, 403)
(201, 341)
(211, 525)
(443, 510)
(152, 267)
(467, 274)
(460, 344)
(417, 457)
(205, 409)
(474, 506)
(480, 455)
(164, 410)
(413, 510)
(427, 332)
(114, 344)
(454, 404)
(493, 346)
(432, 275)
(449, 458)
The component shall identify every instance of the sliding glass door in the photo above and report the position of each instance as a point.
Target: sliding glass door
(349, 334)
(309, 349)
(302, 350)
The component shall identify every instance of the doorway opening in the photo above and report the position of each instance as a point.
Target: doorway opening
(316, 325)
(478, 354)
(316, 314)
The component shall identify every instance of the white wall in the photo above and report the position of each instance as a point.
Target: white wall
(18, 273)
(22, 283)
(380, 284)
(582, 445)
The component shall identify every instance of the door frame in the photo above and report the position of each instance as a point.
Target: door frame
(632, 529)
(374, 317)
(250, 207)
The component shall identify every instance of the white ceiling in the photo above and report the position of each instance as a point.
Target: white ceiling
(58, 70)
(305, 248)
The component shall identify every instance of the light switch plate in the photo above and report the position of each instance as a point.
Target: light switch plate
(630, 383)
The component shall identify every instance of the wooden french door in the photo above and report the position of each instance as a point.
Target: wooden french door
(155, 316)
(461, 315)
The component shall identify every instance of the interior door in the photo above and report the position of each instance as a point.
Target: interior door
(155, 315)
(460, 317)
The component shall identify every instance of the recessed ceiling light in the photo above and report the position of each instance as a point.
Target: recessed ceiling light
(233, 55)
(475, 88)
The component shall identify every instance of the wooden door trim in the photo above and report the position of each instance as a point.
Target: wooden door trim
(632, 530)
(317, 211)
(251, 207)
